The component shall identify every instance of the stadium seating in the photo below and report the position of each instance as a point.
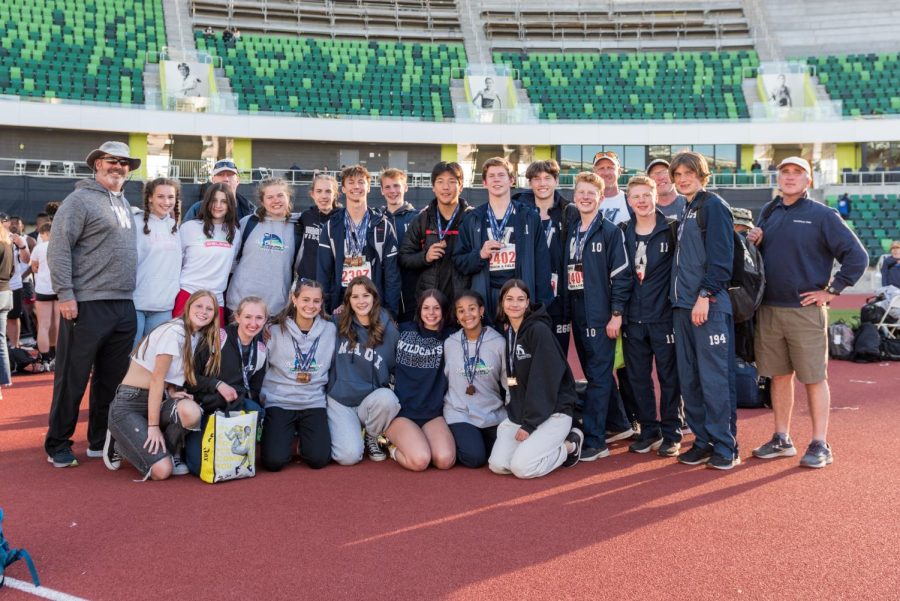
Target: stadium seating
(79, 49)
(340, 77)
(867, 83)
(875, 218)
(649, 85)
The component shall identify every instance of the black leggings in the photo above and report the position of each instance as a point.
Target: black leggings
(282, 426)
(473, 444)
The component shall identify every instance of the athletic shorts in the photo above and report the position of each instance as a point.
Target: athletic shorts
(792, 340)
(16, 311)
(45, 298)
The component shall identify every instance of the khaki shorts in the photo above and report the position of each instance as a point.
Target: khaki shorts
(792, 340)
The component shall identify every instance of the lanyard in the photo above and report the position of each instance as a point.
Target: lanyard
(357, 238)
(512, 338)
(499, 229)
(548, 230)
(303, 361)
(248, 362)
(442, 232)
(470, 372)
(581, 238)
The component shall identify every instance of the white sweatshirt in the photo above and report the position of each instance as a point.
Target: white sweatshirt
(158, 264)
(207, 262)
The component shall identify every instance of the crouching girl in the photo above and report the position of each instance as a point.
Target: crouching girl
(145, 428)
(537, 436)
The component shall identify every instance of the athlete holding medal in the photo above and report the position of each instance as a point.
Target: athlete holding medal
(301, 348)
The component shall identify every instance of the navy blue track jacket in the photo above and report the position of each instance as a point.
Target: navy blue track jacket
(380, 250)
(649, 302)
(532, 256)
(606, 270)
(799, 246)
(703, 261)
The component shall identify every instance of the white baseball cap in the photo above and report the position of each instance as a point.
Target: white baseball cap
(799, 162)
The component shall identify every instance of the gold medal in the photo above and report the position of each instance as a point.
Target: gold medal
(470, 389)
(358, 261)
(304, 377)
(348, 261)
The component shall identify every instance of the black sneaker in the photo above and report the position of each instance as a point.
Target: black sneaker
(64, 458)
(592, 453)
(646, 445)
(111, 458)
(575, 436)
(695, 456)
(779, 446)
(818, 454)
(720, 462)
(373, 449)
(669, 449)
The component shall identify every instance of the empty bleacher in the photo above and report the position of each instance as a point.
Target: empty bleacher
(410, 20)
(875, 218)
(319, 77)
(622, 25)
(868, 84)
(649, 85)
(79, 49)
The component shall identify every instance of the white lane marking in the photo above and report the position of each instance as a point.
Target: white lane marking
(40, 591)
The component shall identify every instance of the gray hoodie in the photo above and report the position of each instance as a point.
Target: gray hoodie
(485, 408)
(358, 372)
(93, 251)
(280, 387)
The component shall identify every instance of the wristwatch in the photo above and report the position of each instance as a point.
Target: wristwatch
(616, 313)
(830, 290)
(705, 293)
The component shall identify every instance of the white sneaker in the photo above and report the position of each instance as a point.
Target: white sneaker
(95, 454)
(111, 458)
(180, 468)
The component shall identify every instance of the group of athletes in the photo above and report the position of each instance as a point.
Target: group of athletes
(438, 336)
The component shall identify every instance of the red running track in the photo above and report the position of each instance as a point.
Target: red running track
(626, 527)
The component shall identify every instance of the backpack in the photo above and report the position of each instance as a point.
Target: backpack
(253, 221)
(752, 390)
(840, 341)
(871, 312)
(748, 275)
(8, 556)
(867, 345)
(890, 349)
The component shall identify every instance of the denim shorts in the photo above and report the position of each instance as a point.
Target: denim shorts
(128, 426)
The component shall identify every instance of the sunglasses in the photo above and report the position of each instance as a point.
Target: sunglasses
(114, 161)
(607, 154)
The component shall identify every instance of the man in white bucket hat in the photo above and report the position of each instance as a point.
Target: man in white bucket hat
(93, 261)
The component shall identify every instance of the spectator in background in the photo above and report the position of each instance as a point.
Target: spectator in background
(890, 267)
(844, 205)
(45, 301)
(227, 36)
(93, 265)
(800, 239)
(755, 166)
(209, 33)
(613, 205)
(7, 268)
(51, 208)
(18, 321)
(224, 171)
(41, 218)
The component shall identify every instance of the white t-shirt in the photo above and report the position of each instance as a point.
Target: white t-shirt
(42, 283)
(166, 339)
(207, 262)
(158, 264)
(615, 208)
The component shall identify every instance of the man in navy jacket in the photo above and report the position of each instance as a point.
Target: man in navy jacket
(800, 239)
(502, 239)
(704, 328)
(356, 241)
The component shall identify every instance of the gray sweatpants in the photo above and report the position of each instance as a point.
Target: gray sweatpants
(374, 413)
(538, 455)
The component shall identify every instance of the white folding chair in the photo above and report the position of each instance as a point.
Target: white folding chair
(890, 326)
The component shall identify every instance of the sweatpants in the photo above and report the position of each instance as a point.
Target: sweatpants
(375, 413)
(542, 452)
(707, 379)
(642, 343)
(473, 444)
(283, 426)
(101, 337)
(597, 353)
